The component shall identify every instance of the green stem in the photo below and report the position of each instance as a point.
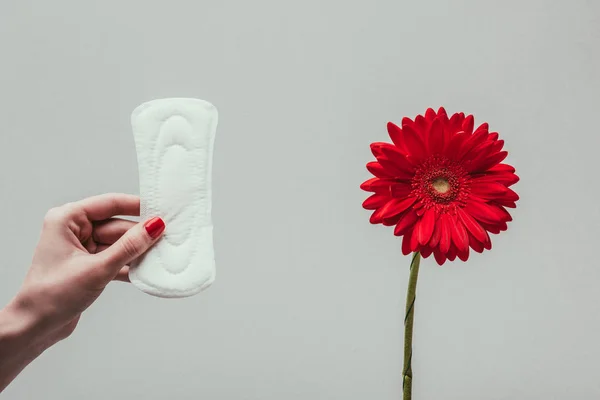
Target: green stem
(408, 326)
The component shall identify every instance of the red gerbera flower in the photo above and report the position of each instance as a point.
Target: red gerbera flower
(441, 184)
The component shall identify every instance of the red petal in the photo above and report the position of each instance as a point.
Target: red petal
(430, 114)
(472, 226)
(391, 221)
(367, 185)
(414, 243)
(421, 125)
(436, 137)
(498, 145)
(400, 190)
(467, 125)
(456, 142)
(436, 235)
(475, 244)
(424, 227)
(493, 136)
(506, 203)
(455, 123)
(376, 148)
(463, 254)
(406, 242)
(506, 179)
(502, 168)
(393, 168)
(492, 228)
(442, 115)
(375, 201)
(483, 212)
(406, 222)
(395, 207)
(451, 253)
(376, 169)
(505, 215)
(490, 161)
(445, 232)
(399, 160)
(488, 190)
(459, 235)
(407, 121)
(483, 127)
(396, 135)
(471, 144)
(488, 243)
(510, 195)
(439, 257)
(414, 143)
(426, 252)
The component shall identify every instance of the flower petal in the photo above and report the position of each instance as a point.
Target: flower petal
(436, 235)
(414, 143)
(506, 203)
(396, 135)
(406, 222)
(473, 227)
(430, 114)
(445, 232)
(421, 125)
(451, 254)
(426, 251)
(459, 235)
(406, 242)
(377, 169)
(463, 254)
(424, 228)
(483, 127)
(490, 161)
(367, 185)
(399, 159)
(393, 208)
(455, 143)
(467, 125)
(471, 144)
(400, 190)
(483, 212)
(502, 168)
(439, 257)
(455, 123)
(375, 201)
(488, 190)
(376, 148)
(436, 137)
(475, 244)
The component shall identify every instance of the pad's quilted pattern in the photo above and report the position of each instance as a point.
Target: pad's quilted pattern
(174, 139)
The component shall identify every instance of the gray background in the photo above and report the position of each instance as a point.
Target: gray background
(308, 298)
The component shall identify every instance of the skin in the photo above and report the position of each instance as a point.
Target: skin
(82, 248)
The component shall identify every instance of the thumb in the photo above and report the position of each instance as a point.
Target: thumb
(135, 242)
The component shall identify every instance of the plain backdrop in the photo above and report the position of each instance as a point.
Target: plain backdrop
(308, 300)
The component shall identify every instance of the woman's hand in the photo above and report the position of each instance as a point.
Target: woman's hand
(82, 248)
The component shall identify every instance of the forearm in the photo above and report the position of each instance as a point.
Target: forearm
(21, 341)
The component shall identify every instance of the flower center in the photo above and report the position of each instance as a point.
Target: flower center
(441, 183)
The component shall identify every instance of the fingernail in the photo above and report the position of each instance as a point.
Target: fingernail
(155, 227)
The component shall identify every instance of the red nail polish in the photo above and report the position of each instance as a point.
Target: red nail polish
(155, 227)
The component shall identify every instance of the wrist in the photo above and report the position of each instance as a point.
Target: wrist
(17, 326)
(20, 341)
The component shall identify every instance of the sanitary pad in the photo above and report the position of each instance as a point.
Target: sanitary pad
(174, 139)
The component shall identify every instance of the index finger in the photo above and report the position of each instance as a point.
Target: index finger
(104, 206)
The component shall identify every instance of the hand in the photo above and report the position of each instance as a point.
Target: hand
(82, 249)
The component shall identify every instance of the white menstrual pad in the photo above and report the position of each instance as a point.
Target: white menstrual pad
(174, 139)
